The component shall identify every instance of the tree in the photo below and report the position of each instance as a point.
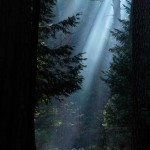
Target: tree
(118, 111)
(18, 68)
(58, 69)
(140, 70)
(129, 83)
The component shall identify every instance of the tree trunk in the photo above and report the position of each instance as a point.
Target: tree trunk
(140, 53)
(18, 32)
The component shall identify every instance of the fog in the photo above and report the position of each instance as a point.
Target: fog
(92, 36)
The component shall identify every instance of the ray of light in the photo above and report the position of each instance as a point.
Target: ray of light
(92, 37)
(96, 40)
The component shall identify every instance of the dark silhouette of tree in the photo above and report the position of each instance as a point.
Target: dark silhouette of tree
(57, 68)
(127, 112)
(58, 74)
(140, 68)
(117, 113)
(18, 47)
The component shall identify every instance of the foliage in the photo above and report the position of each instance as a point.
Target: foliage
(118, 111)
(58, 74)
(58, 70)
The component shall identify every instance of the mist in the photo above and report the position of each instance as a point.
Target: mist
(81, 113)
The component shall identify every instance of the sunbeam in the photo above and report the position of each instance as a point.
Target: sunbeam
(96, 40)
(92, 36)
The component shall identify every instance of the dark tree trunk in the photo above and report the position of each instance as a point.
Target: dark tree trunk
(18, 46)
(141, 54)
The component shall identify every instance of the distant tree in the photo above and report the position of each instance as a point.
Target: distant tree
(117, 13)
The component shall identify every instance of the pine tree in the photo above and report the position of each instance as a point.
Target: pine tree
(58, 68)
(118, 111)
(58, 73)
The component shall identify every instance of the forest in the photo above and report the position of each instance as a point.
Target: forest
(75, 75)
